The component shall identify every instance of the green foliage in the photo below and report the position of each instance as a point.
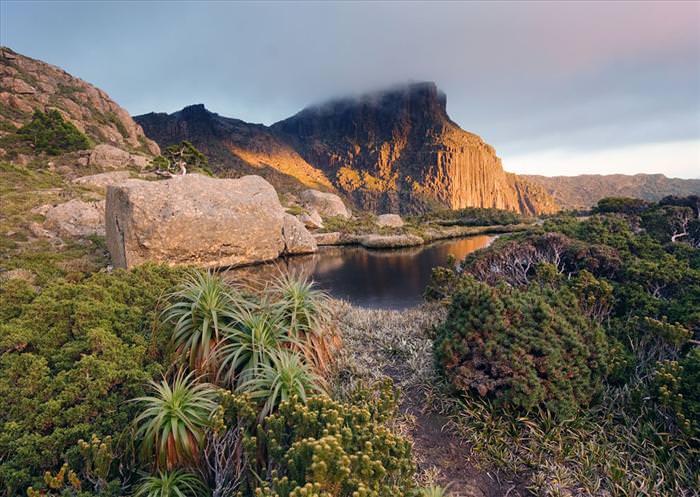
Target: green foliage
(183, 154)
(198, 309)
(329, 449)
(621, 205)
(173, 421)
(434, 491)
(473, 216)
(677, 390)
(525, 348)
(49, 132)
(286, 376)
(174, 483)
(69, 359)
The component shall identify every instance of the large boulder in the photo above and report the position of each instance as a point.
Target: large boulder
(326, 204)
(311, 220)
(199, 220)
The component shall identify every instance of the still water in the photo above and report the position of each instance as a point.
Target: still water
(387, 279)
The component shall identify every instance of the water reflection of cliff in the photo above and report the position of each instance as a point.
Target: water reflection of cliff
(371, 278)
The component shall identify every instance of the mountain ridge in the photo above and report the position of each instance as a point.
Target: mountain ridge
(584, 190)
(395, 150)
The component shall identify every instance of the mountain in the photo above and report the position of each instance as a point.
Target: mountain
(27, 85)
(395, 150)
(575, 192)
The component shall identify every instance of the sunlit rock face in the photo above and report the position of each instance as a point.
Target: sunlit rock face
(392, 151)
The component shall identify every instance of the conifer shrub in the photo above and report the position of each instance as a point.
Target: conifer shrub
(49, 132)
(524, 348)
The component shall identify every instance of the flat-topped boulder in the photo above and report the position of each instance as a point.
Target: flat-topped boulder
(202, 221)
(103, 180)
(326, 204)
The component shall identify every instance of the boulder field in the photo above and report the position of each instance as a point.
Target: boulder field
(202, 221)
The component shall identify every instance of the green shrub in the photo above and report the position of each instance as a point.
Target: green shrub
(524, 348)
(677, 390)
(326, 448)
(69, 361)
(49, 132)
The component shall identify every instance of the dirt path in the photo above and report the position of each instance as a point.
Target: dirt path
(395, 344)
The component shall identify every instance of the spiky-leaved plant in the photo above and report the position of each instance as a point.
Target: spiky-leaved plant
(304, 310)
(174, 420)
(171, 484)
(249, 344)
(285, 377)
(200, 308)
(434, 491)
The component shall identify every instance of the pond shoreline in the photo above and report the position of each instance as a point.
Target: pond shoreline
(401, 240)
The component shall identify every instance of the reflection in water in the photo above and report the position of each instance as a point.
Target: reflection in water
(392, 279)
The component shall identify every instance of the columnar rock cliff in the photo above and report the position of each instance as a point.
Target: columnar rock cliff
(27, 85)
(390, 151)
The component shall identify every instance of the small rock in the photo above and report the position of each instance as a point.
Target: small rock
(297, 240)
(391, 220)
(311, 219)
(326, 204)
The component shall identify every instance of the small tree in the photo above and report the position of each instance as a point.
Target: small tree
(179, 157)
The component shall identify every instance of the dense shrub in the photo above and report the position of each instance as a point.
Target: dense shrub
(69, 359)
(326, 448)
(524, 348)
(677, 389)
(474, 216)
(621, 205)
(49, 132)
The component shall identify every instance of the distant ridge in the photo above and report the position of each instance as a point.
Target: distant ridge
(583, 191)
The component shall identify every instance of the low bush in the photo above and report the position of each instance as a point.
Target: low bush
(523, 348)
(50, 133)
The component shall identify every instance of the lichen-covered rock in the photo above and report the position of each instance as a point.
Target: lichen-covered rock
(75, 218)
(326, 204)
(390, 220)
(297, 239)
(103, 180)
(197, 220)
(333, 238)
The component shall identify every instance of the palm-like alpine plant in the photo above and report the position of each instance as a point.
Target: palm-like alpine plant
(171, 484)
(173, 423)
(304, 311)
(285, 377)
(200, 309)
(249, 344)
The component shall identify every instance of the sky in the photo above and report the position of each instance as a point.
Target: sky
(558, 88)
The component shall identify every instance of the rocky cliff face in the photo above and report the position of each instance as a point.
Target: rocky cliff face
(27, 85)
(390, 151)
(398, 149)
(235, 147)
(583, 191)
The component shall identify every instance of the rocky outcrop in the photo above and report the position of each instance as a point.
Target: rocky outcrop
(390, 220)
(325, 204)
(27, 85)
(75, 218)
(395, 151)
(103, 180)
(584, 191)
(110, 157)
(199, 220)
(235, 147)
